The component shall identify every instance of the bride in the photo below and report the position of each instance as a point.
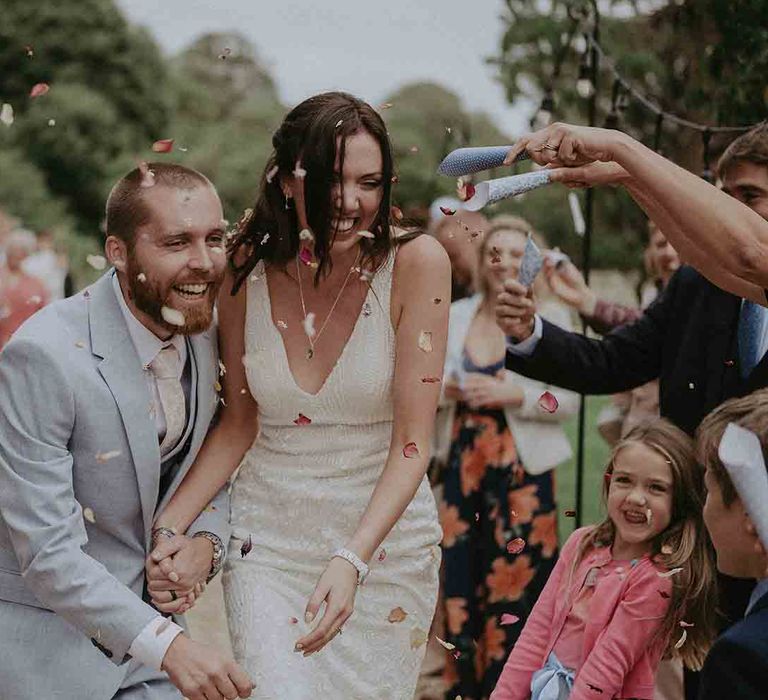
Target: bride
(332, 339)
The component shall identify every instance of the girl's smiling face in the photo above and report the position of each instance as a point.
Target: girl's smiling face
(639, 499)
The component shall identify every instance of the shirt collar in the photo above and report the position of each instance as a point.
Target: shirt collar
(147, 344)
(759, 591)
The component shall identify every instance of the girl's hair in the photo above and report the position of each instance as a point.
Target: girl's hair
(511, 224)
(314, 133)
(693, 599)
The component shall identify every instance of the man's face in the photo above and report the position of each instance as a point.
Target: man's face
(748, 182)
(177, 259)
(727, 526)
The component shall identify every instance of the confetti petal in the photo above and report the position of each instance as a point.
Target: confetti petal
(225, 54)
(293, 620)
(516, 546)
(397, 213)
(141, 277)
(305, 255)
(97, 262)
(437, 300)
(509, 619)
(306, 235)
(397, 615)
(666, 549)
(309, 324)
(39, 90)
(410, 451)
(272, 172)
(282, 324)
(425, 341)
(103, 457)
(682, 639)
(684, 624)
(385, 105)
(548, 402)
(365, 234)
(172, 316)
(665, 595)
(670, 573)
(89, 516)
(299, 172)
(6, 114)
(339, 123)
(570, 513)
(431, 380)
(163, 146)
(302, 420)
(418, 638)
(447, 645)
(447, 211)
(382, 554)
(246, 547)
(465, 190)
(265, 239)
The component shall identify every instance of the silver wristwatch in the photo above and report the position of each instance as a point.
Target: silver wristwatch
(218, 552)
(357, 562)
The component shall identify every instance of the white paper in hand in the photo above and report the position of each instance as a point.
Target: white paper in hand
(742, 456)
(531, 263)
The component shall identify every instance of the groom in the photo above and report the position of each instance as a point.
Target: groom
(105, 399)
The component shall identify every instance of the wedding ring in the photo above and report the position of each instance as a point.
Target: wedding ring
(174, 597)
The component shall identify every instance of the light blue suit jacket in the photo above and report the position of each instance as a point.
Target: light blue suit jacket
(72, 389)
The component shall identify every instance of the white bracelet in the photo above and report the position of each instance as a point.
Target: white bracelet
(357, 562)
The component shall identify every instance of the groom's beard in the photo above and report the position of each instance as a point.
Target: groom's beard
(150, 296)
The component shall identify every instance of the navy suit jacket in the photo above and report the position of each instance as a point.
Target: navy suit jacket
(737, 665)
(687, 339)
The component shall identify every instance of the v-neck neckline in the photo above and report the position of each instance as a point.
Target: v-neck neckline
(281, 342)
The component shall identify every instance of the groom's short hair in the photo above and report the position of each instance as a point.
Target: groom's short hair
(751, 147)
(126, 209)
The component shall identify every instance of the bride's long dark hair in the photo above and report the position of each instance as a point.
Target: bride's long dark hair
(312, 133)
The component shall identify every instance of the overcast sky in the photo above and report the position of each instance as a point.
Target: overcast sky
(367, 47)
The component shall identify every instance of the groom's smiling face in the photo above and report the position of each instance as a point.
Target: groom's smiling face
(176, 260)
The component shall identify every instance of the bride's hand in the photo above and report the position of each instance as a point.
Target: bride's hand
(337, 587)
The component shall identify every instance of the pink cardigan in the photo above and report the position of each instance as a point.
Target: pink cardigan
(620, 654)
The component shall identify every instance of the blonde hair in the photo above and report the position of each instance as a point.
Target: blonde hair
(511, 224)
(682, 544)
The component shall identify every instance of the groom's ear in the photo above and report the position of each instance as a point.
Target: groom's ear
(117, 252)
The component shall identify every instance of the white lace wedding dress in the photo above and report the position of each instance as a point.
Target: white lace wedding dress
(299, 495)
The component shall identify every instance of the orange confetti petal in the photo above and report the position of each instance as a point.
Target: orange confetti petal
(397, 615)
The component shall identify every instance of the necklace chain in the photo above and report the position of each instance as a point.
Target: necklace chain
(311, 350)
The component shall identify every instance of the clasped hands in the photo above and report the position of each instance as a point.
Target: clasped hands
(177, 569)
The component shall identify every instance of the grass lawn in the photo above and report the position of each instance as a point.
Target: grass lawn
(596, 453)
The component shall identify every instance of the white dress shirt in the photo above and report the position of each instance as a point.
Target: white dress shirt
(149, 647)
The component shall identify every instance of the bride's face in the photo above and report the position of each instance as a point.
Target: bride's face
(357, 190)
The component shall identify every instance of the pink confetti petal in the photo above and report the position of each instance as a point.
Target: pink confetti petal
(305, 255)
(410, 451)
(548, 402)
(509, 619)
(397, 213)
(163, 146)
(293, 620)
(302, 420)
(516, 546)
(447, 211)
(39, 90)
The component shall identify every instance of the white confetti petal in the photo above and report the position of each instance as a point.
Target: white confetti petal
(309, 325)
(447, 645)
(682, 639)
(97, 262)
(172, 316)
(365, 234)
(103, 457)
(271, 174)
(6, 114)
(671, 572)
(88, 515)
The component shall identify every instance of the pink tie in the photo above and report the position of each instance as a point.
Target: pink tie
(167, 371)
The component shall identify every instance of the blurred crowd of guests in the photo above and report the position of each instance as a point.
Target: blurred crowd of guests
(34, 271)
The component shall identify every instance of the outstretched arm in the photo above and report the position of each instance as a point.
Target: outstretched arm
(714, 231)
(235, 431)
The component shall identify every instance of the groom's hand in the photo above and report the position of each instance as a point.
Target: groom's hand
(202, 673)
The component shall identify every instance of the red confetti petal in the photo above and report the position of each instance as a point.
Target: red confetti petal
(302, 420)
(305, 255)
(516, 546)
(163, 146)
(410, 450)
(246, 547)
(431, 380)
(509, 619)
(293, 620)
(382, 554)
(447, 211)
(548, 402)
(39, 89)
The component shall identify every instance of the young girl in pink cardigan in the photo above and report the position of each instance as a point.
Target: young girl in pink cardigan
(624, 593)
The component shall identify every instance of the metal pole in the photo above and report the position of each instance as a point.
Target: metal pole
(586, 262)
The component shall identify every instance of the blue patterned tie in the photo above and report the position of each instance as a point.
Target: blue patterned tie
(750, 335)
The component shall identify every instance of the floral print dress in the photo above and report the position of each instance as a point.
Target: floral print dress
(489, 501)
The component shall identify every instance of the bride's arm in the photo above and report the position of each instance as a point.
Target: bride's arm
(422, 275)
(235, 430)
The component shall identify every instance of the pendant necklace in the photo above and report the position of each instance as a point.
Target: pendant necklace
(312, 340)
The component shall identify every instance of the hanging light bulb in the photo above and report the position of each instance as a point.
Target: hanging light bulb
(544, 114)
(584, 85)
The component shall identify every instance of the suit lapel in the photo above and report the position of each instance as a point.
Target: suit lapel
(203, 379)
(722, 348)
(123, 373)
